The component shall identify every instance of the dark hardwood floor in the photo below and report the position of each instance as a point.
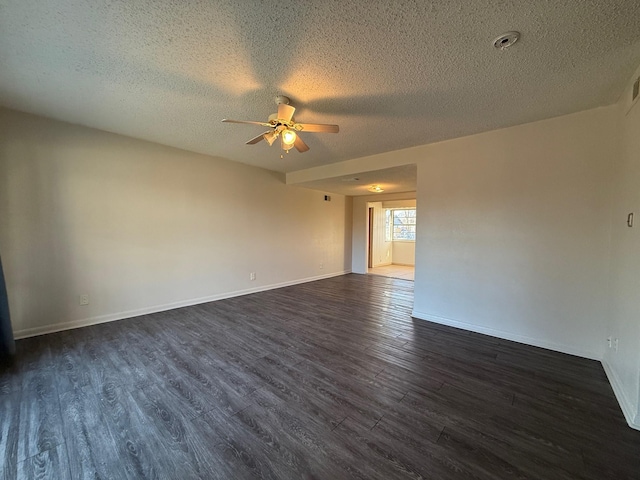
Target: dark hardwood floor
(331, 379)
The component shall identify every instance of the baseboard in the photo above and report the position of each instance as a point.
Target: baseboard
(85, 322)
(404, 264)
(536, 342)
(630, 415)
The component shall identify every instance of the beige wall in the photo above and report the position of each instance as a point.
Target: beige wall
(142, 227)
(623, 365)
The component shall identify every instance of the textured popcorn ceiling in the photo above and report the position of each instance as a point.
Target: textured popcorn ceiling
(392, 74)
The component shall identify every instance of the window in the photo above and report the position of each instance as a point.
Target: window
(401, 224)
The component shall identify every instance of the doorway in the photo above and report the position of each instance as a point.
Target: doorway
(391, 236)
(370, 240)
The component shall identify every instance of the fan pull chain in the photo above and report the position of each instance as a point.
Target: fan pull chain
(286, 151)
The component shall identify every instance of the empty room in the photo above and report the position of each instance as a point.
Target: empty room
(331, 240)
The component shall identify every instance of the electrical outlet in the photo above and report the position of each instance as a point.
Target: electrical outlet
(609, 342)
(84, 299)
(252, 276)
(615, 344)
(321, 265)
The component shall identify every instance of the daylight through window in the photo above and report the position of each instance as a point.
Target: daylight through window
(401, 224)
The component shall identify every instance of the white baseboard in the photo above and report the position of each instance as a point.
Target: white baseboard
(58, 327)
(536, 342)
(630, 414)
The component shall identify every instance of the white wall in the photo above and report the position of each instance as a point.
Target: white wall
(142, 227)
(623, 365)
(404, 253)
(409, 203)
(514, 230)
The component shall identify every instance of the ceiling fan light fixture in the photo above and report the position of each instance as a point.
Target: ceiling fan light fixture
(288, 137)
(376, 189)
(270, 137)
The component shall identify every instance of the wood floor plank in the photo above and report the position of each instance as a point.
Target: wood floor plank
(475, 458)
(82, 362)
(327, 403)
(10, 439)
(91, 449)
(30, 421)
(385, 456)
(193, 450)
(9, 380)
(294, 440)
(52, 464)
(177, 363)
(515, 457)
(328, 379)
(238, 454)
(40, 426)
(138, 447)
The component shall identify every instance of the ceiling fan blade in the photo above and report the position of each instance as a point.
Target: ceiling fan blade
(300, 145)
(226, 120)
(285, 112)
(318, 127)
(255, 140)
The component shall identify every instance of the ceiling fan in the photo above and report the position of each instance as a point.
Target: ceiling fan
(282, 124)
